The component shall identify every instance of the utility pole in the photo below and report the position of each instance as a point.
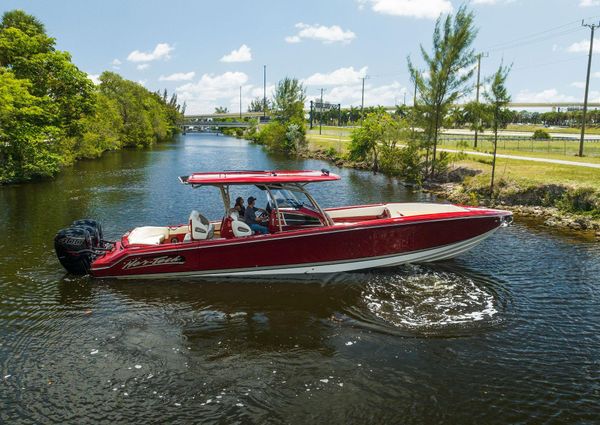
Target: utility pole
(414, 110)
(362, 102)
(240, 103)
(265, 91)
(478, 121)
(321, 113)
(587, 84)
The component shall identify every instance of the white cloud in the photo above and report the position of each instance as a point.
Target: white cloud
(485, 1)
(214, 90)
(584, 46)
(589, 3)
(327, 35)
(178, 76)
(243, 54)
(578, 84)
(341, 76)
(293, 39)
(350, 94)
(142, 82)
(142, 66)
(116, 62)
(596, 74)
(544, 96)
(95, 78)
(161, 51)
(428, 9)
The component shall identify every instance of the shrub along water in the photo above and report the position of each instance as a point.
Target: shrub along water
(51, 113)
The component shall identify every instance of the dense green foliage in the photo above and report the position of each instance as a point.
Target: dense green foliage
(287, 132)
(52, 114)
(386, 144)
(540, 135)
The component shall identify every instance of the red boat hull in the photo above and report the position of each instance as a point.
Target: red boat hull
(352, 246)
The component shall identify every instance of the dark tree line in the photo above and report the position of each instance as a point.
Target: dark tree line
(51, 113)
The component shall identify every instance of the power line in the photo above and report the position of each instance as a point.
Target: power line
(548, 63)
(537, 34)
(540, 39)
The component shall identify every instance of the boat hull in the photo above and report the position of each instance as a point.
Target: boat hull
(381, 243)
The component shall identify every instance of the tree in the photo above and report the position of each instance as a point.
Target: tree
(221, 110)
(498, 99)
(289, 98)
(449, 67)
(257, 105)
(52, 114)
(379, 130)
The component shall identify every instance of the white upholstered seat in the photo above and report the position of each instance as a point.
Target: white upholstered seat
(238, 227)
(148, 235)
(200, 227)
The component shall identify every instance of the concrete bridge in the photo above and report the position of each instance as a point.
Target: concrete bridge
(217, 124)
(516, 105)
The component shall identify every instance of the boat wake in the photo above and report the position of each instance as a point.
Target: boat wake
(423, 299)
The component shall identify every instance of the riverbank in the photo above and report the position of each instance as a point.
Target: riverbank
(573, 204)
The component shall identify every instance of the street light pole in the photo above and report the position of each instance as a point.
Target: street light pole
(321, 113)
(362, 101)
(587, 84)
(478, 121)
(265, 91)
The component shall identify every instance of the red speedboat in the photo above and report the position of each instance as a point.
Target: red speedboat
(303, 238)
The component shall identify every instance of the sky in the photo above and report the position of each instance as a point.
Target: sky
(206, 50)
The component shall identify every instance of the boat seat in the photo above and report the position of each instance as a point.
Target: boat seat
(200, 227)
(239, 228)
(148, 235)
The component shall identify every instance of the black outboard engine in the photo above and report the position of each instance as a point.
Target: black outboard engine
(78, 245)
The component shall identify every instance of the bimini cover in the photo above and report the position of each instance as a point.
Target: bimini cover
(258, 177)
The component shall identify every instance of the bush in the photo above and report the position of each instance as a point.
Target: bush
(541, 135)
(583, 199)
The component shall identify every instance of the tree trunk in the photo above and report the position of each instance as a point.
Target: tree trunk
(375, 161)
(494, 161)
(435, 137)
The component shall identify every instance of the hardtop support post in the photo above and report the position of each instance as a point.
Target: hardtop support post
(225, 196)
(326, 217)
(276, 207)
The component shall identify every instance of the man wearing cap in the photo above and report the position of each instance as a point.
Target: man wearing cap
(251, 220)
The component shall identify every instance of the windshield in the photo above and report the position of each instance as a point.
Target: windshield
(289, 198)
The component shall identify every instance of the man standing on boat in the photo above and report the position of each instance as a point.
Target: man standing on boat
(251, 220)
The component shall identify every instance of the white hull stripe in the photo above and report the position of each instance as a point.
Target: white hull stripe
(434, 254)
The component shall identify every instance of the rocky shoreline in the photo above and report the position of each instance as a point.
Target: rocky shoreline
(548, 216)
(455, 191)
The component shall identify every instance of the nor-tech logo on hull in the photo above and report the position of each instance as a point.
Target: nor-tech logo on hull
(165, 260)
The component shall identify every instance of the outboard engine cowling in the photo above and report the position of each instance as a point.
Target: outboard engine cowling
(97, 241)
(74, 249)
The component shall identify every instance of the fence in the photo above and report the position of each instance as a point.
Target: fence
(566, 146)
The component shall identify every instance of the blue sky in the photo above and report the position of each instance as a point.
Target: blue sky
(206, 50)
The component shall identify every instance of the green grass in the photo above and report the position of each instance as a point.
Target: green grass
(555, 149)
(340, 143)
(569, 130)
(527, 173)
(324, 142)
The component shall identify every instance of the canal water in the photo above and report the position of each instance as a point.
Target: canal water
(507, 333)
